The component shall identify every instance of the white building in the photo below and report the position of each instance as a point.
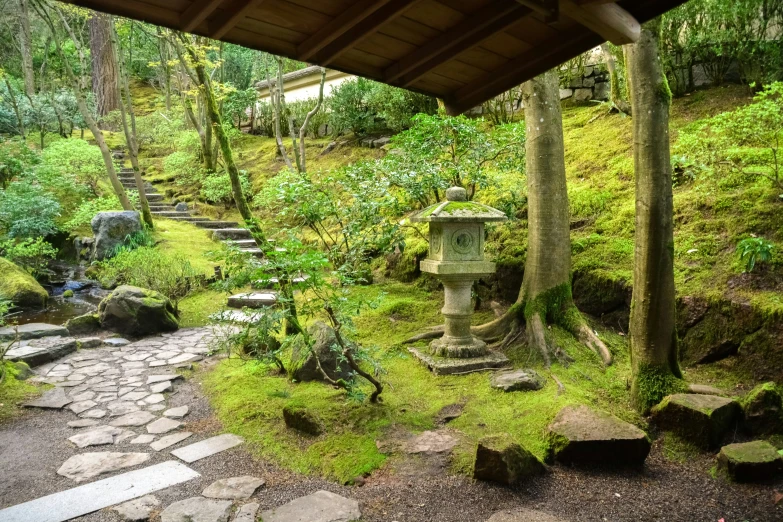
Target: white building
(304, 84)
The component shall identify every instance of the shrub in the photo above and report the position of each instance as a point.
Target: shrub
(159, 131)
(84, 213)
(216, 188)
(754, 250)
(76, 158)
(31, 254)
(185, 165)
(26, 210)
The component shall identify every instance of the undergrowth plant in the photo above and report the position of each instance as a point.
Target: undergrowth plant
(33, 255)
(753, 251)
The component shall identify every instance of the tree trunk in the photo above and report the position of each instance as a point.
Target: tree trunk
(652, 331)
(26, 46)
(104, 69)
(15, 104)
(616, 95)
(165, 67)
(303, 129)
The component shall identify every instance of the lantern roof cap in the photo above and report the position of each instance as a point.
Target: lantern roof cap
(457, 209)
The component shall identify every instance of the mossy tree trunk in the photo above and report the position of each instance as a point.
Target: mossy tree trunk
(616, 93)
(652, 331)
(26, 48)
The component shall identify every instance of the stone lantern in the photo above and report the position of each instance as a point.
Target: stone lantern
(456, 257)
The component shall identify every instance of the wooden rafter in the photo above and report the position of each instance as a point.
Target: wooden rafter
(230, 18)
(386, 13)
(609, 20)
(473, 30)
(197, 13)
(548, 9)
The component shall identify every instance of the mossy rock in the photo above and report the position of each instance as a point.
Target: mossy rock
(67, 294)
(301, 419)
(303, 365)
(137, 312)
(19, 287)
(750, 461)
(704, 420)
(763, 409)
(597, 292)
(501, 459)
(83, 324)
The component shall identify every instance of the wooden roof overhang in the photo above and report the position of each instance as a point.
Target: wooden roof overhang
(462, 51)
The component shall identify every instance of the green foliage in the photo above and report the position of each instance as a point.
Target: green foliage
(216, 188)
(82, 216)
(27, 211)
(753, 251)
(237, 103)
(184, 164)
(31, 254)
(75, 159)
(159, 131)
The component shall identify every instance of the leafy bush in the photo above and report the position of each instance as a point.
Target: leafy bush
(216, 188)
(159, 131)
(754, 250)
(185, 165)
(87, 210)
(76, 159)
(27, 210)
(31, 254)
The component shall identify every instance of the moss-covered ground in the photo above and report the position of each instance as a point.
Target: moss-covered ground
(13, 392)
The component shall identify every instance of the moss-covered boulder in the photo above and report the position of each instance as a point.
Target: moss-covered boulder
(135, 311)
(111, 229)
(19, 287)
(303, 361)
(750, 461)
(83, 324)
(301, 419)
(582, 435)
(763, 409)
(500, 459)
(704, 420)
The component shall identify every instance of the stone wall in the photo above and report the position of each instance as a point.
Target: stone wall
(585, 85)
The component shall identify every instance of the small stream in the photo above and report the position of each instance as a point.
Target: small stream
(87, 294)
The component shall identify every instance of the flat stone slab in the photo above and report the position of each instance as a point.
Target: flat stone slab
(162, 425)
(116, 342)
(36, 352)
(161, 387)
(517, 380)
(580, 434)
(449, 366)
(247, 513)
(54, 399)
(321, 506)
(137, 418)
(236, 316)
(524, 515)
(253, 300)
(197, 509)
(137, 510)
(208, 447)
(234, 488)
(97, 437)
(32, 331)
(88, 465)
(703, 420)
(152, 379)
(755, 461)
(432, 442)
(82, 406)
(176, 413)
(143, 439)
(170, 440)
(79, 501)
(83, 423)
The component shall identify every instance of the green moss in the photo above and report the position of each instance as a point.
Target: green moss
(678, 449)
(651, 384)
(68, 293)
(196, 244)
(195, 309)
(13, 392)
(19, 287)
(556, 306)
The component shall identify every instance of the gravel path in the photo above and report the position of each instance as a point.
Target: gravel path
(34, 446)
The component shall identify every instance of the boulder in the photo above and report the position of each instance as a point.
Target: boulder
(517, 380)
(19, 287)
(750, 461)
(763, 409)
(22, 371)
(581, 435)
(583, 95)
(301, 419)
(181, 207)
(602, 91)
(31, 331)
(701, 419)
(325, 346)
(137, 311)
(83, 324)
(500, 459)
(111, 229)
(566, 93)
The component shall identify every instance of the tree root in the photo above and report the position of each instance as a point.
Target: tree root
(587, 337)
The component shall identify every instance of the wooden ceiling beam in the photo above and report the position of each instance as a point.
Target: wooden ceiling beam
(548, 9)
(197, 13)
(230, 18)
(474, 29)
(608, 20)
(390, 10)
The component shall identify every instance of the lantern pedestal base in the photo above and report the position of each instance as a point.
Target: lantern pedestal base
(458, 347)
(452, 366)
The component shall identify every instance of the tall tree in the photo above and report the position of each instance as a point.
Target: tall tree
(26, 46)
(652, 332)
(615, 90)
(104, 67)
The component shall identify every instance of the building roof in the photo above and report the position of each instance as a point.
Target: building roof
(313, 70)
(462, 51)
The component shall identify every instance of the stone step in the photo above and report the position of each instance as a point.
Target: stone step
(190, 219)
(254, 251)
(172, 214)
(217, 224)
(267, 284)
(236, 316)
(162, 208)
(232, 233)
(208, 447)
(253, 300)
(151, 196)
(241, 243)
(32, 331)
(36, 352)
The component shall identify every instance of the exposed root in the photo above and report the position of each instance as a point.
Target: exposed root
(536, 338)
(587, 337)
(432, 333)
(560, 387)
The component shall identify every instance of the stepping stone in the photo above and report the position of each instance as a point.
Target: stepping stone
(90, 342)
(156, 407)
(36, 352)
(105, 389)
(83, 396)
(125, 389)
(137, 357)
(106, 397)
(253, 300)
(170, 440)
(197, 509)
(79, 501)
(133, 365)
(176, 413)
(137, 510)
(88, 465)
(432, 442)
(208, 447)
(703, 420)
(137, 418)
(156, 364)
(235, 488)
(116, 342)
(96, 437)
(54, 399)
(163, 425)
(185, 358)
(134, 396)
(247, 513)
(517, 380)
(321, 506)
(93, 414)
(499, 458)
(83, 423)
(236, 316)
(143, 439)
(79, 407)
(32, 331)
(117, 409)
(750, 461)
(524, 515)
(763, 409)
(152, 379)
(69, 384)
(161, 387)
(581, 435)
(155, 398)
